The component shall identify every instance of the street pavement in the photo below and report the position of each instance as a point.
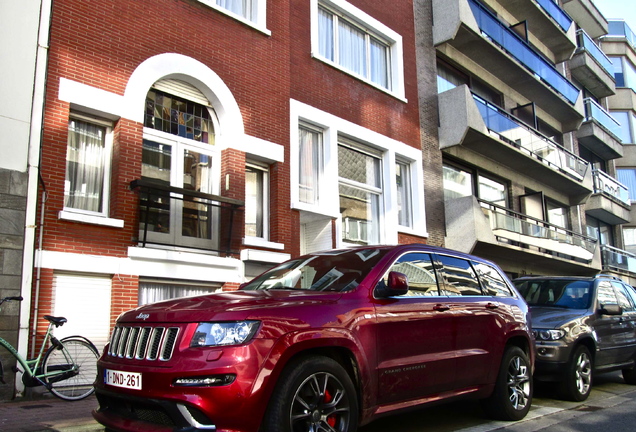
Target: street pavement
(611, 406)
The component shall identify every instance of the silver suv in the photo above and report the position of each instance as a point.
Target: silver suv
(582, 326)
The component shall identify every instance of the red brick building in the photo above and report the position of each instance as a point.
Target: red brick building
(190, 144)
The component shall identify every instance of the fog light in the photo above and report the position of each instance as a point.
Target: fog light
(205, 381)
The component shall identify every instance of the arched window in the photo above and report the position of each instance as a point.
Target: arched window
(179, 154)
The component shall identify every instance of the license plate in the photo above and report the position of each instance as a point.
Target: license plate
(129, 380)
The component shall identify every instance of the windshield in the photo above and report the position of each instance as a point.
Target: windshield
(341, 270)
(567, 294)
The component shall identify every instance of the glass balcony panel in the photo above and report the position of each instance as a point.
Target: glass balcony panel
(516, 47)
(620, 28)
(617, 259)
(603, 183)
(593, 111)
(526, 139)
(558, 14)
(585, 42)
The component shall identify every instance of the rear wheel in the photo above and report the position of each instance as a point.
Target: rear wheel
(577, 384)
(512, 396)
(629, 375)
(77, 363)
(313, 394)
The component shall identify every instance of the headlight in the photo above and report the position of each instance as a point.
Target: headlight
(548, 335)
(224, 333)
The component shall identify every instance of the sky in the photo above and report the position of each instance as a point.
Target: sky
(619, 9)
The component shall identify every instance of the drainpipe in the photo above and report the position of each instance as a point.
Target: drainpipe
(33, 171)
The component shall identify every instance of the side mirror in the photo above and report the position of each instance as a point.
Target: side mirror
(611, 309)
(398, 284)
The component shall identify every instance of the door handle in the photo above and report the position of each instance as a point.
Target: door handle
(492, 306)
(441, 307)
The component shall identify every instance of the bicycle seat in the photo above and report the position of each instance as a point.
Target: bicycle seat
(58, 321)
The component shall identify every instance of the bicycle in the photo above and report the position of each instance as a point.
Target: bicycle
(67, 369)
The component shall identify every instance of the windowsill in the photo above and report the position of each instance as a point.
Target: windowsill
(256, 26)
(315, 210)
(260, 242)
(90, 219)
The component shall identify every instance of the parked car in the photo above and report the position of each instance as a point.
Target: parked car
(582, 326)
(327, 341)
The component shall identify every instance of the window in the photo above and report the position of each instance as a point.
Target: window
(492, 191)
(624, 72)
(152, 292)
(459, 277)
(251, 12)
(256, 200)
(418, 268)
(627, 176)
(629, 238)
(458, 182)
(351, 40)
(493, 283)
(599, 230)
(627, 121)
(88, 154)
(623, 297)
(557, 214)
(178, 151)
(403, 183)
(310, 165)
(360, 191)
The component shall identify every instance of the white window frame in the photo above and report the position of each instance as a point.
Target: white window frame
(328, 204)
(68, 212)
(265, 200)
(407, 207)
(370, 26)
(259, 14)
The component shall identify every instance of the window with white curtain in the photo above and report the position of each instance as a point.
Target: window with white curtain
(256, 200)
(403, 183)
(243, 8)
(88, 152)
(310, 146)
(353, 41)
(250, 12)
(154, 291)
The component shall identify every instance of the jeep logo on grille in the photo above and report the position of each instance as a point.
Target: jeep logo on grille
(143, 316)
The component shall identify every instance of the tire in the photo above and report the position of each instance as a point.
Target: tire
(577, 384)
(629, 375)
(84, 356)
(512, 396)
(300, 404)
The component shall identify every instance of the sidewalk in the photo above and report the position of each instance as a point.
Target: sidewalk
(50, 414)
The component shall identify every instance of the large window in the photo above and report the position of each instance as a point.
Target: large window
(404, 194)
(88, 154)
(178, 151)
(627, 120)
(460, 182)
(360, 190)
(627, 176)
(353, 41)
(256, 200)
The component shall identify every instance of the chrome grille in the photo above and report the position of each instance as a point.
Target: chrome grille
(149, 343)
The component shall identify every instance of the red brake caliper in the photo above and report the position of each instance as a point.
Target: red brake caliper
(331, 420)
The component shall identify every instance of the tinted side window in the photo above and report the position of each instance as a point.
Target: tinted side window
(418, 268)
(631, 293)
(605, 294)
(492, 281)
(459, 276)
(623, 297)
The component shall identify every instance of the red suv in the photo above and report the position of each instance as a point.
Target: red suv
(327, 341)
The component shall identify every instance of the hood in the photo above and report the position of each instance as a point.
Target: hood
(554, 317)
(224, 306)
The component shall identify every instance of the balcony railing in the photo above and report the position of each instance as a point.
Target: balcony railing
(586, 43)
(554, 10)
(523, 137)
(620, 28)
(539, 234)
(595, 112)
(174, 216)
(616, 259)
(605, 184)
(519, 49)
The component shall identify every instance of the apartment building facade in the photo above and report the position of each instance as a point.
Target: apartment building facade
(188, 145)
(529, 144)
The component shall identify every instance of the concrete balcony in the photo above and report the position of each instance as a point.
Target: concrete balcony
(587, 16)
(468, 122)
(623, 100)
(614, 259)
(592, 68)
(600, 132)
(505, 236)
(610, 200)
(547, 22)
(468, 27)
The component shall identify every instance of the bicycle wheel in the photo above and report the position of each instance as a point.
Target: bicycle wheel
(76, 385)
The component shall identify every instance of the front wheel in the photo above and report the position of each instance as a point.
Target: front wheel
(313, 394)
(512, 396)
(72, 369)
(577, 384)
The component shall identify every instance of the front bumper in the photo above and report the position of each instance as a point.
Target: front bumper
(551, 361)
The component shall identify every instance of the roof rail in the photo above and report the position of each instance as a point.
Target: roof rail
(605, 275)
